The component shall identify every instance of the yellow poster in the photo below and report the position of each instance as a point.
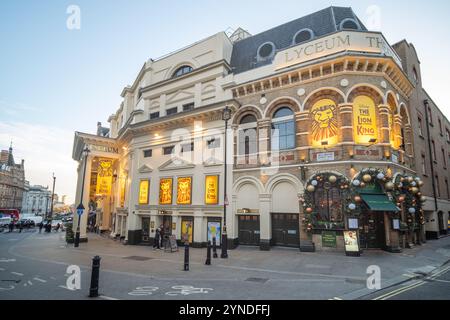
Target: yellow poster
(324, 128)
(184, 190)
(186, 230)
(122, 192)
(212, 190)
(165, 191)
(104, 177)
(144, 186)
(364, 119)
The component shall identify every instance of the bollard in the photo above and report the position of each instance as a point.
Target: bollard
(208, 254)
(93, 290)
(214, 248)
(186, 256)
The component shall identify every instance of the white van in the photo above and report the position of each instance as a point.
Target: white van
(5, 221)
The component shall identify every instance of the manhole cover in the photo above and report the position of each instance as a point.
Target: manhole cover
(259, 280)
(138, 258)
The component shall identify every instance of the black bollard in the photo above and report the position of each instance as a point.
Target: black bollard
(186, 256)
(214, 248)
(93, 290)
(208, 254)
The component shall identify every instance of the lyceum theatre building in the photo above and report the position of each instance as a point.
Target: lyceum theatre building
(327, 143)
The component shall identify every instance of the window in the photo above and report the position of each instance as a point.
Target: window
(168, 150)
(266, 50)
(446, 188)
(415, 76)
(434, 150)
(182, 71)
(419, 119)
(447, 135)
(438, 189)
(213, 143)
(440, 127)
(424, 165)
(303, 36)
(328, 203)
(283, 129)
(171, 111)
(188, 107)
(430, 115)
(187, 147)
(147, 153)
(444, 158)
(247, 135)
(154, 115)
(349, 24)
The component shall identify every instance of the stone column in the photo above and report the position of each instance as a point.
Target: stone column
(265, 222)
(383, 123)
(132, 234)
(302, 125)
(397, 130)
(345, 123)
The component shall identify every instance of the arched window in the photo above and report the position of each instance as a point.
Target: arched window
(349, 24)
(182, 71)
(303, 36)
(247, 136)
(283, 129)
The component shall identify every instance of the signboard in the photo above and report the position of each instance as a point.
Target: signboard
(106, 149)
(396, 224)
(171, 245)
(394, 158)
(329, 239)
(372, 42)
(104, 177)
(353, 223)
(211, 189)
(364, 119)
(186, 230)
(144, 186)
(324, 127)
(351, 241)
(214, 230)
(325, 156)
(165, 191)
(184, 188)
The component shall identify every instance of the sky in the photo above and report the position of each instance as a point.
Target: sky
(56, 80)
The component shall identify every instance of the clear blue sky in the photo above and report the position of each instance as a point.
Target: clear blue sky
(54, 81)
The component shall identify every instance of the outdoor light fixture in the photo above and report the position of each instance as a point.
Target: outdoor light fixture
(226, 116)
(324, 143)
(80, 208)
(373, 140)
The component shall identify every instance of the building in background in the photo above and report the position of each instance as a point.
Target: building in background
(329, 146)
(37, 200)
(12, 181)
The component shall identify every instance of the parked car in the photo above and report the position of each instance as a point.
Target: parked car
(27, 223)
(55, 223)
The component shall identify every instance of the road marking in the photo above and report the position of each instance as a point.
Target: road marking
(439, 273)
(7, 260)
(17, 273)
(187, 290)
(107, 298)
(40, 280)
(64, 287)
(1, 269)
(399, 291)
(143, 291)
(444, 281)
(336, 298)
(408, 275)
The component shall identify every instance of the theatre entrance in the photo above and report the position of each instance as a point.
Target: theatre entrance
(249, 230)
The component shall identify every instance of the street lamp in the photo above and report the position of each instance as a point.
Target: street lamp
(226, 115)
(80, 208)
(53, 195)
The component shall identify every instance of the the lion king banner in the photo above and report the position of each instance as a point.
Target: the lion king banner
(324, 126)
(165, 191)
(104, 177)
(212, 189)
(184, 190)
(364, 119)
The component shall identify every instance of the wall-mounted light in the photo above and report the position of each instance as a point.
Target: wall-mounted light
(373, 140)
(324, 143)
(246, 210)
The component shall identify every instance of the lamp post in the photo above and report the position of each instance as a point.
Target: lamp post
(226, 115)
(80, 208)
(53, 195)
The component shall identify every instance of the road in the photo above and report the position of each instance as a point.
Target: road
(34, 266)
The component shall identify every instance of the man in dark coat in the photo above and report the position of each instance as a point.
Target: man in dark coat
(157, 239)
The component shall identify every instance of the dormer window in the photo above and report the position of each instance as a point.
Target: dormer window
(349, 24)
(303, 36)
(182, 71)
(266, 51)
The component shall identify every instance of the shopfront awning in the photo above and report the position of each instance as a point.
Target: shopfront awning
(379, 202)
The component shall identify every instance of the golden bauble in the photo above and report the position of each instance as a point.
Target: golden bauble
(309, 210)
(332, 179)
(414, 190)
(357, 199)
(310, 188)
(367, 178)
(389, 186)
(410, 179)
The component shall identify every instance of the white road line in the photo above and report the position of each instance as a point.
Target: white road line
(40, 280)
(64, 287)
(444, 281)
(107, 298)
(17, 273)
(1, 269)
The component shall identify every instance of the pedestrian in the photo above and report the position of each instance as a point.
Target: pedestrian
(57, 227)
(11, 226)
(161, 236)
(20, 226)
(40, 225)
(157, 239)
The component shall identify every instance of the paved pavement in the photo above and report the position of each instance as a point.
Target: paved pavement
(33, 266)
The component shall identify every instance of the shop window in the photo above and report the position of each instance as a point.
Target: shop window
(182, 71)
(283, 129)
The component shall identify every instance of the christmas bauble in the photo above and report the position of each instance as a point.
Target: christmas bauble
(389, 186)
(352, 206)
(380, 176)
(357, 199)
(309, 210)
(310, 188)
(356, 182)
(414, 190)
(314, 183)
(367, 178)
(332, 179)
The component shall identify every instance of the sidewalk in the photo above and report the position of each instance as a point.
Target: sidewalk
(280, 265)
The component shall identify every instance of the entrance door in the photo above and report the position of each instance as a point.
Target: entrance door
(145, 229)
(249, 230)
(373, 234)
(285, 229)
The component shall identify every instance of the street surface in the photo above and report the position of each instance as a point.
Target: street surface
(34, 266)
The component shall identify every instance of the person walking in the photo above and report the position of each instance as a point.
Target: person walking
(157, 239)
(161, 236)
(57, 227)
(40, 225)
(20, 226)
(11, 226)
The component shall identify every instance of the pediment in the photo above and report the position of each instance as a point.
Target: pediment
(180, 95)
(211, 161)
(176, 163)
(145, 169)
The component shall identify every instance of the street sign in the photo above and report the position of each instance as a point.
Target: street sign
(80, 209)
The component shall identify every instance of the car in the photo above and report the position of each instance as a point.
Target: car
(55, 223)
(27, 223)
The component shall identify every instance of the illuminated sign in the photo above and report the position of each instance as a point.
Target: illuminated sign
(184, 189)
(324, 128)
(364, 119)
(371, 42)
(165, 191)
(144, 186)
(186, 230)
(104, 177)
(351, 241)
(212, 190)
(94, 147)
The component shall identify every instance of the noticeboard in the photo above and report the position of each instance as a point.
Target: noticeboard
(329, 239)
(351, 242)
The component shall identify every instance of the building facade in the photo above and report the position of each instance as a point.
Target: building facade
(37, 200)
(323, 145)
(12, 181)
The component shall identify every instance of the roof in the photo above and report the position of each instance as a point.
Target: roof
(323, 22)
